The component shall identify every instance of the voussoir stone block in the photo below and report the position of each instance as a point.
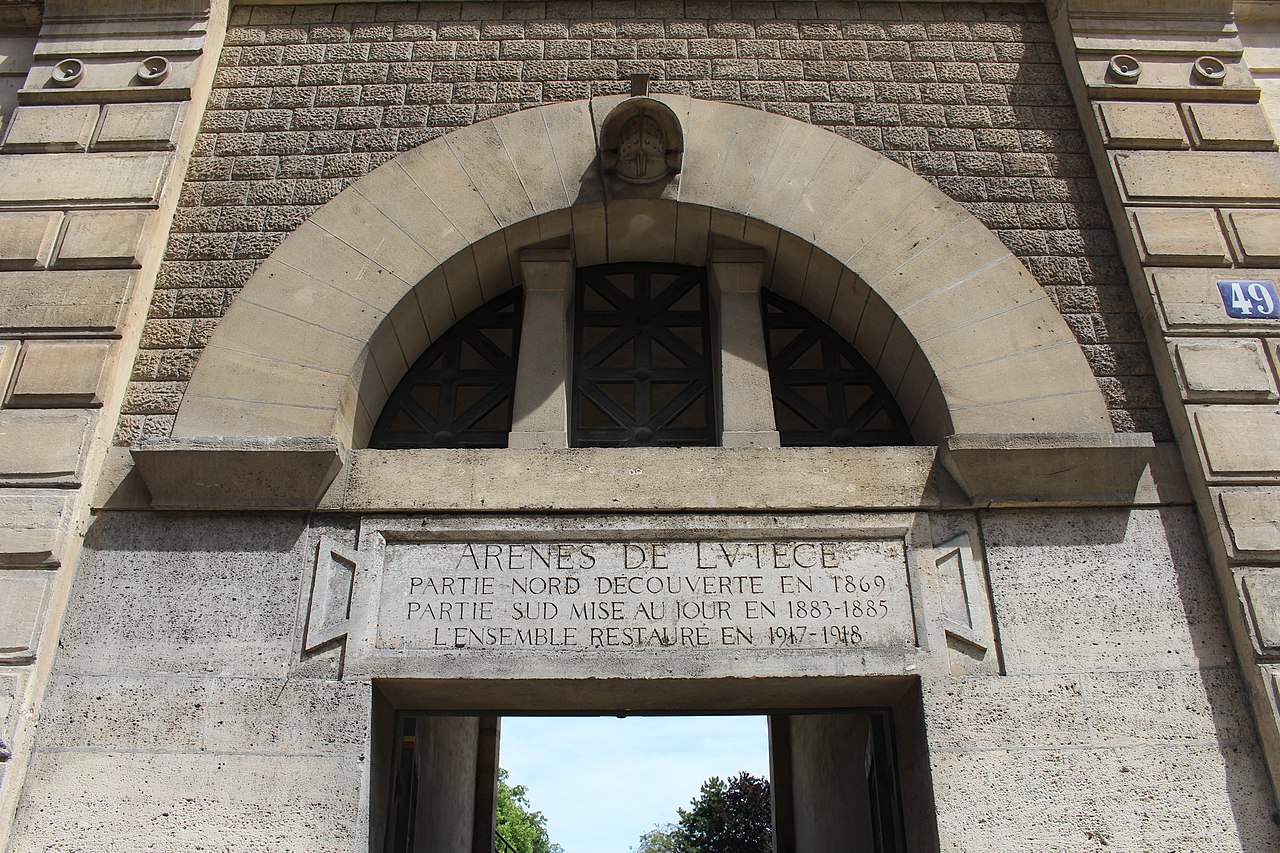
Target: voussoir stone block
(1252, 517)
(60, 373)
(1224, 369)
(26, 239)
(22, 594)
(138, 126)
(1180, 235)
(1142, 125)
(1258, 234)
(55, 128)
(102, 238)
(1240, 441)
(1241, 127)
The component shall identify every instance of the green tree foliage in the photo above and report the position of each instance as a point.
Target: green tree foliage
(732, 817)
(524, 829)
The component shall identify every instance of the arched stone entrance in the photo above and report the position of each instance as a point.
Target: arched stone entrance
(329, 323)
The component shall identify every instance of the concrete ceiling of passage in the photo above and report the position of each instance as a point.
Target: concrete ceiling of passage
(331, 320)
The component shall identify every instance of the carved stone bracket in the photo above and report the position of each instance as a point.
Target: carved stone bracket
(220, 473)
(1054, 468)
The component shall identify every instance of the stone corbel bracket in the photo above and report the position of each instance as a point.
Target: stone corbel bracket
(219, 473)
(1067, 469)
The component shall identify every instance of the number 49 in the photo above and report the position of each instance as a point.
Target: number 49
(1249, 299)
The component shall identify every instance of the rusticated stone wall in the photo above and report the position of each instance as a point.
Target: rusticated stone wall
(309, 98)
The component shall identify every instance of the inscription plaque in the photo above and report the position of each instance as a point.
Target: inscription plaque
(625, 596)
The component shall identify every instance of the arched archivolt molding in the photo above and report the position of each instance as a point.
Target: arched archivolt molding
(956, 325)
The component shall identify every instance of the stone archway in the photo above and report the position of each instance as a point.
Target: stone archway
(320, 331)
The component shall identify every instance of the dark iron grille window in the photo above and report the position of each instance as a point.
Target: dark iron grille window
(642, 357)
(824, 393)
(458, 394)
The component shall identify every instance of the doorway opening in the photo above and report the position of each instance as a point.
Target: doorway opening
(833, 778)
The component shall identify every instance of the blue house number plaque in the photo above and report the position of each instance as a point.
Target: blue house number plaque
(1249, 300)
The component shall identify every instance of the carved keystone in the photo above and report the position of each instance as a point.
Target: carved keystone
(641, 141)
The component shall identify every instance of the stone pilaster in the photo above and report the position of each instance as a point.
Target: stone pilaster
(99, 104)
(1188, 161)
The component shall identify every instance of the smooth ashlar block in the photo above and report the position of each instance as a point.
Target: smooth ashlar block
(1225, 175)
(1224, 369)
(1252, 517)
(1257, 233)
(41, 446)
(60, 373)
(102, 239)
(1189, 298)
(125, 177)
(1262, 594)
(22, 596)
(1172, 235)
(1240, 127)
(1240, 441)
(26, 239)
(30, 526)
(63, 300)
(138, 126)
(56, 128)
(1142, 125)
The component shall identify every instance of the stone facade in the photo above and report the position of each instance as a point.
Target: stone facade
(227, 231)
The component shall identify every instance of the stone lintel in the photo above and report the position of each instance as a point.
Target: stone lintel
(1053, 468)
(241, 473)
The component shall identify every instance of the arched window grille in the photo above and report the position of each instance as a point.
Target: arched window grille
(459, 393)
(642, 357)
(643, 372)
(824, 393)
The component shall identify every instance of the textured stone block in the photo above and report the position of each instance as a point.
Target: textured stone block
(63, 300)
(1224, 368)
(1240, 441)
(135, 126)
(1252, 517)
(26, 239)
(1257, 233)
(1180, 235)
(1106, 621)
(1226, 175)
(41, 446)
(21, 609)
(60, 373)
(1142, 125)
(81, 177)
(30, 526)
(1242, 127)
(58, 128)
(102, 239)
(1262, 594)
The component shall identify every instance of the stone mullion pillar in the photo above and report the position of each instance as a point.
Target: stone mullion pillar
(746, 400)
(1189, 166)
(540, 410)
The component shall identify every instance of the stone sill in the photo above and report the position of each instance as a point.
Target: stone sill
(1063, 469)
